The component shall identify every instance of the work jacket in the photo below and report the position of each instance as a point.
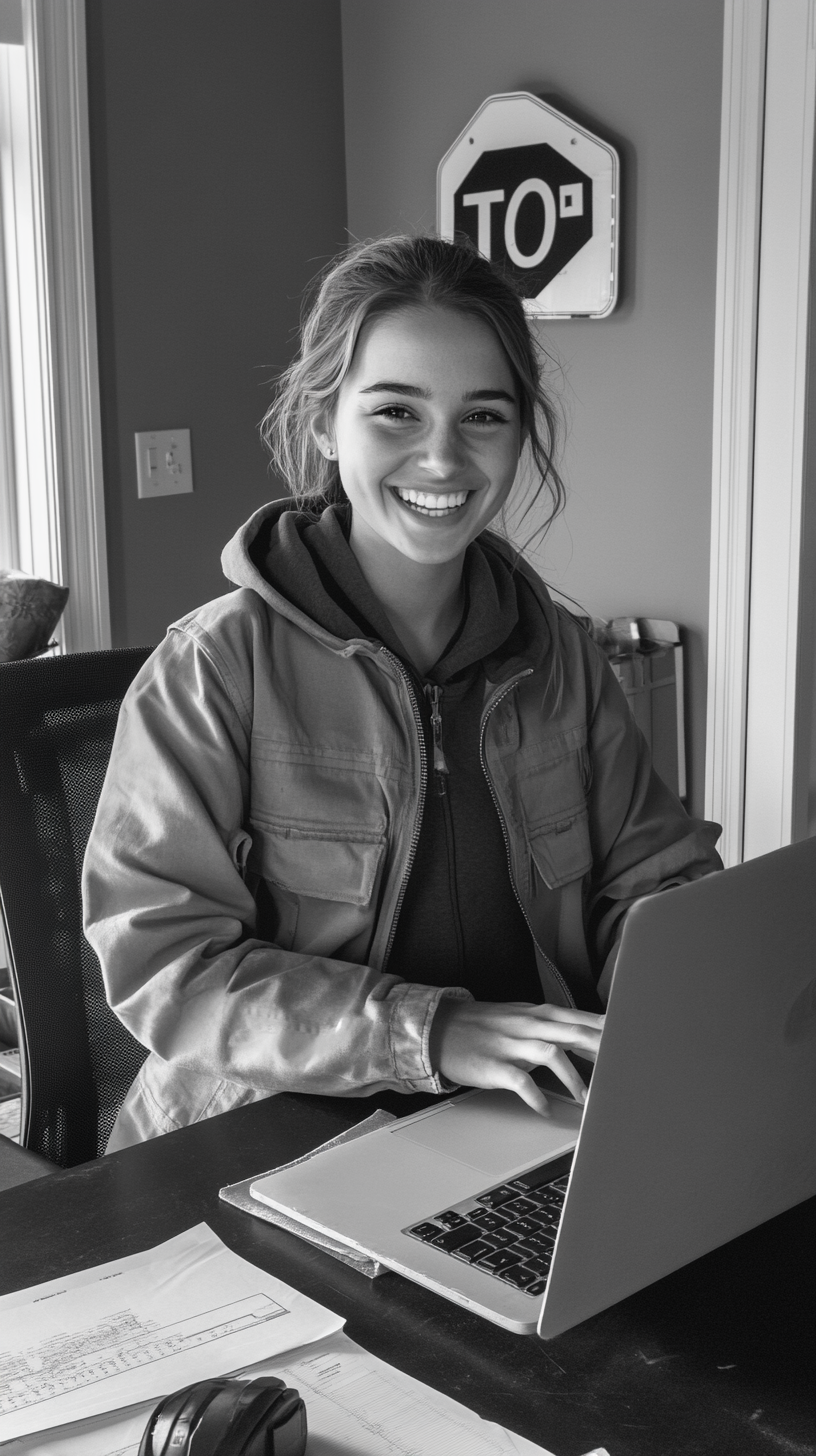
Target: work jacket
(256, 830)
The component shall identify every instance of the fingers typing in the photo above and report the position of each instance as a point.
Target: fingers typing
(482, 1044)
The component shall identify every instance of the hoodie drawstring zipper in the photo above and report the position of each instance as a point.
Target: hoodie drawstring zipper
(433, 693)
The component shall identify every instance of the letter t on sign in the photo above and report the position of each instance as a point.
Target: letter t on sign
(483, 201)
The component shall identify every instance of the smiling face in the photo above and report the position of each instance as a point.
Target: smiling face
(426, 432)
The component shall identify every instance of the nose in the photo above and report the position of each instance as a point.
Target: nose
(442, 455)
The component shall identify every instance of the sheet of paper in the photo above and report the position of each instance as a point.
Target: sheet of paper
(139, 1327)
(356, 1405)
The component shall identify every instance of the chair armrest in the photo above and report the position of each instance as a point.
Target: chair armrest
(20, 1165)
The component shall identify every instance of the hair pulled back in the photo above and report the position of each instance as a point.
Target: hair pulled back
(370, 280)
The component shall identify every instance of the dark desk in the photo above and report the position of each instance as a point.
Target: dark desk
(716, 1359)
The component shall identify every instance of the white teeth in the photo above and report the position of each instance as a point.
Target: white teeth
(432, 500)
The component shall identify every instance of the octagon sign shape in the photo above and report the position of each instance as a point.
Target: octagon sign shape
(537, 194)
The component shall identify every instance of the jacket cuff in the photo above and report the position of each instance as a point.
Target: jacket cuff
(410, 1032)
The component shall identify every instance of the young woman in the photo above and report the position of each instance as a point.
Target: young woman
(374, 819)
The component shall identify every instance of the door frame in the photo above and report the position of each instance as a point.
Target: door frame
(760, 395)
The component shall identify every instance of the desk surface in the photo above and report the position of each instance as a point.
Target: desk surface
(717, 1358)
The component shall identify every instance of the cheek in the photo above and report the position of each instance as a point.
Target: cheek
(503, 467)
(366, 458)
(361, 474)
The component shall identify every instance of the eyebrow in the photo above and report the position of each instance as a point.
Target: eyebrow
(391, 386)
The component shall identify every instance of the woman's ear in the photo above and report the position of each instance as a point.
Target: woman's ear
(323, 436)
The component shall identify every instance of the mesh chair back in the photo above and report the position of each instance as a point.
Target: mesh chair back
(57, 721)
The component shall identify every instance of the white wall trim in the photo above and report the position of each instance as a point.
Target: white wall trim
(54, 38)
(741, 134)
(33, 517)
(8, 477)
(780, 417)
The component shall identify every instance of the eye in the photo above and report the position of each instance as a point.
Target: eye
(396, 412)
(485, 417)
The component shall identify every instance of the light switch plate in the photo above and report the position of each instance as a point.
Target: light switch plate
(164, 464)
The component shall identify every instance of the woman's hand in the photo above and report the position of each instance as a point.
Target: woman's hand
(487, 1044)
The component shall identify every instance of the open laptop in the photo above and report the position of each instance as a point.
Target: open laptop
(700, 1123)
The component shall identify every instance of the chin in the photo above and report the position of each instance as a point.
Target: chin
(433, 553)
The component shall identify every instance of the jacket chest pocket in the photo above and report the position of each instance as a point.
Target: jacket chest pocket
(323, 879)
(561, 851)
(556, 818)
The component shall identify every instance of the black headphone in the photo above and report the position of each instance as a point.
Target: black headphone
(228, 1418)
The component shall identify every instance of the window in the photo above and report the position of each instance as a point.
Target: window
(51, 500)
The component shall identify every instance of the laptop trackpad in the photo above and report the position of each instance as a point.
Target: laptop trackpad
(495, 1131)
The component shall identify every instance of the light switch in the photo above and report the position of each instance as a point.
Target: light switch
(164, 464)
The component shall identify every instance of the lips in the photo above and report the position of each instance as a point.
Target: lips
(433, 503)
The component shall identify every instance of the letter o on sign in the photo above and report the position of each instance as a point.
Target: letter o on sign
(542, 190)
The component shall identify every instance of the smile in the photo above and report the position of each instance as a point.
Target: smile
(433, 503)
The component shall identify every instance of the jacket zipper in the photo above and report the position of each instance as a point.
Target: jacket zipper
(433, 693)
(423, 780)
(423, 767)
(500, 696)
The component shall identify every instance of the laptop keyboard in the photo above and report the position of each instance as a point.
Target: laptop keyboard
(507, 1231)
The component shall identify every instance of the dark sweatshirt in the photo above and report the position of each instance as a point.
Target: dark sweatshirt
(460, 922)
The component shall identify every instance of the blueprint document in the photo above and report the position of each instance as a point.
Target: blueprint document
(356, 1405)
(136, 1328)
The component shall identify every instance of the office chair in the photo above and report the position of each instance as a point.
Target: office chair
(57, 721)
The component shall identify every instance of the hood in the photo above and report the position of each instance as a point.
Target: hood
(318, 585)
(243, 559)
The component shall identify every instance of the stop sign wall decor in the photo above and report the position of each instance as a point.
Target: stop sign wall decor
(538, 194)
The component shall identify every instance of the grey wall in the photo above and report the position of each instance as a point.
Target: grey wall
(219, 187)
(218, 190)
(637, 386)
(11, 22)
